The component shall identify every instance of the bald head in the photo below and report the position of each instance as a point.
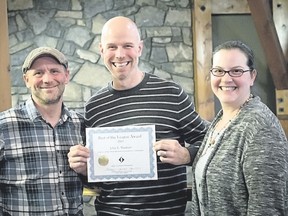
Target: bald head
(120, 48)
(118, 26)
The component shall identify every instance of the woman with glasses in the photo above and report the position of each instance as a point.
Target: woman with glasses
(242, 166)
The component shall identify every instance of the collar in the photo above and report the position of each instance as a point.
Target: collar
(34, 114)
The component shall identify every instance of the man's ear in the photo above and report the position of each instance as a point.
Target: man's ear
(140, 48)
(67, 74)
(101, 48)
(26, 80)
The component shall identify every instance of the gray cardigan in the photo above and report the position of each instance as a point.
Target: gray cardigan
(247, 172)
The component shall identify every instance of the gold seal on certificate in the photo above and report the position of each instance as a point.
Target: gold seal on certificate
(103, 160)
(121, 153)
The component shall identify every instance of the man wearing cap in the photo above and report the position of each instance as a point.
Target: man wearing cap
(35, 137)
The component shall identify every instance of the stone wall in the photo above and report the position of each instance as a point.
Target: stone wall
(74, 26)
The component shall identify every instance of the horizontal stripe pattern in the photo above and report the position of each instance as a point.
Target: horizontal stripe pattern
(161, 103)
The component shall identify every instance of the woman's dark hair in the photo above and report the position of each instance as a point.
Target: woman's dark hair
(235, 44)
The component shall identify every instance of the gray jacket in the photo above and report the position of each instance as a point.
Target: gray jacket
(247, 172)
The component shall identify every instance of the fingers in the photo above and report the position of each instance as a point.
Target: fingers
(161, 145)
(171, 151)
(162, 153)
(77, 157)
(163, 148)
(78, 151)
(165, 158)
(79, 147)
(166, 145)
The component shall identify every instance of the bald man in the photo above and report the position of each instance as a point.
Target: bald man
(134, 97)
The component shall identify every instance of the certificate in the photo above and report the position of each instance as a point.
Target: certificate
(121, 153)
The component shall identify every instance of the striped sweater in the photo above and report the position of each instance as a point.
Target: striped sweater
(164, 104)
(247, 171)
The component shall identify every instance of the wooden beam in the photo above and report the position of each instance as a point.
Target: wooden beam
(280, 17)
(230, 7)
(280, 14)
(202, 46)
(264, 24)
(5, 86)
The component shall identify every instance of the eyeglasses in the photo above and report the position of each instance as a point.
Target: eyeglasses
(233, 72)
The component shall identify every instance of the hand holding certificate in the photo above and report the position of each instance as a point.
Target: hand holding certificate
(121, 153)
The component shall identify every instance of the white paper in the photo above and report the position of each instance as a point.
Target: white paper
(121, 153)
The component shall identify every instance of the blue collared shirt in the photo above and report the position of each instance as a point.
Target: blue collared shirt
(35, 177)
